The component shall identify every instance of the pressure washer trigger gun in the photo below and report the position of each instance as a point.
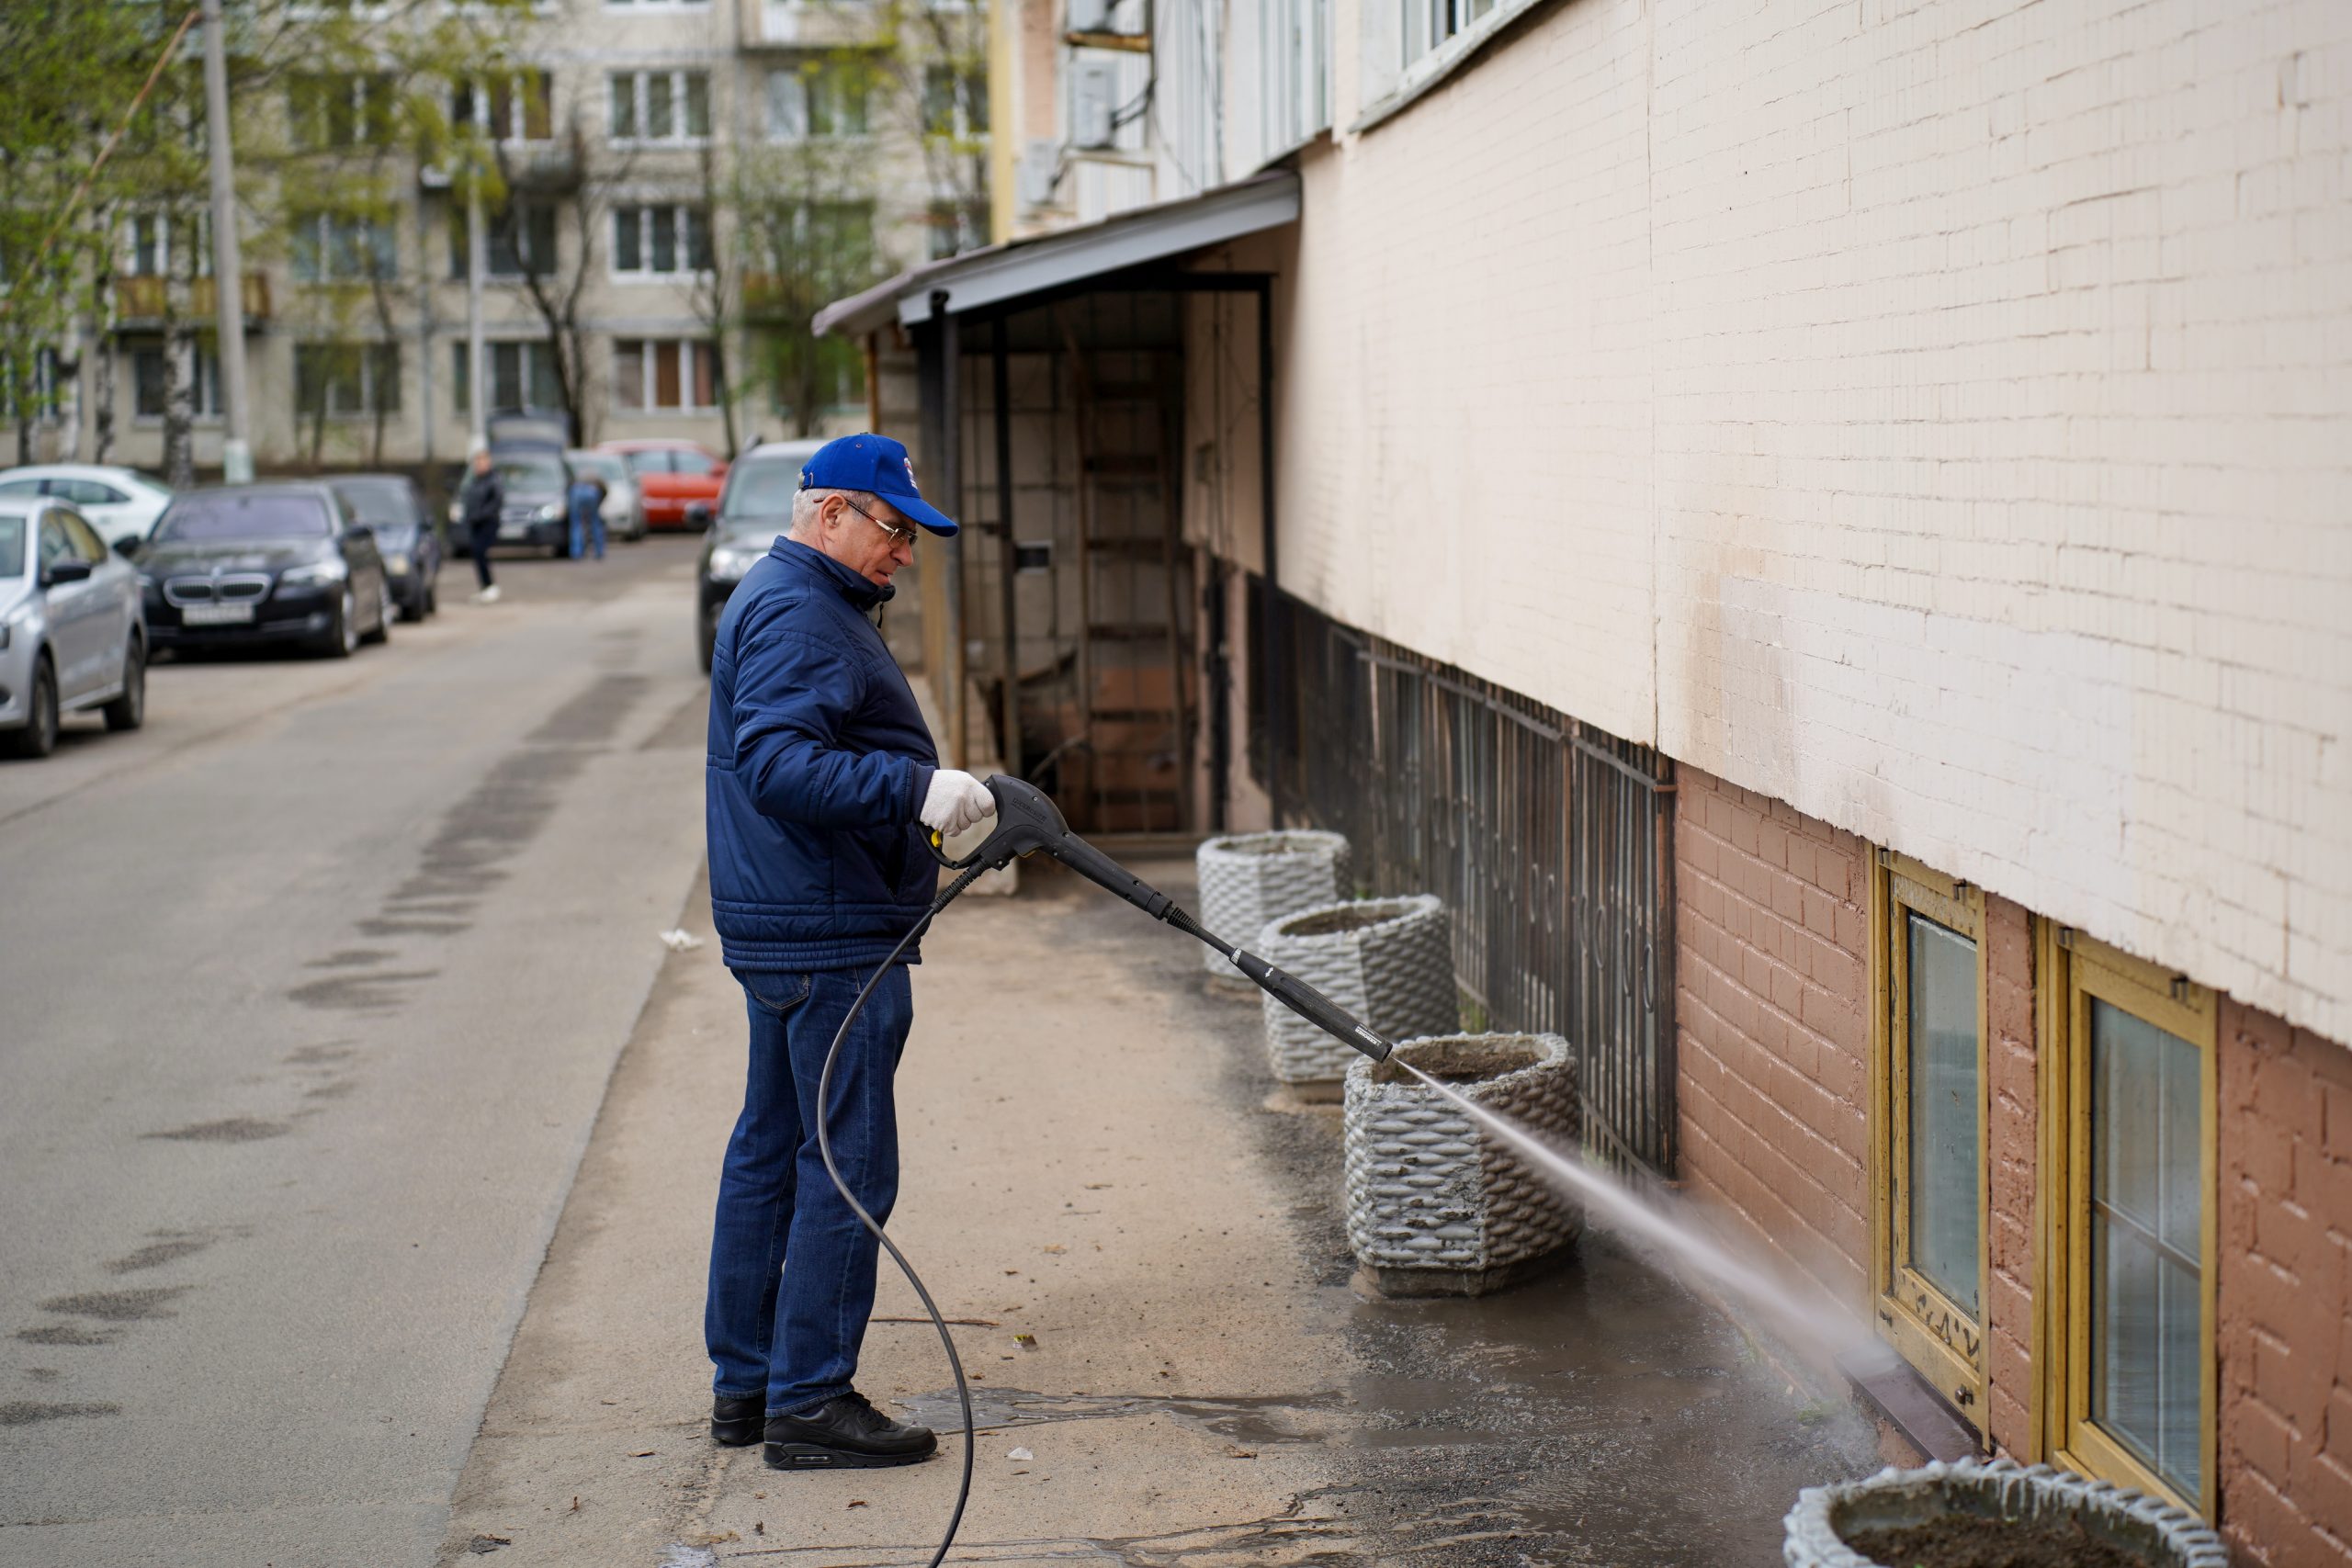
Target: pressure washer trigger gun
(1028, 822)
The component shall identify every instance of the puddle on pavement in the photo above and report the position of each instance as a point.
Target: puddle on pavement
(155, 1253)
(228, 1129)
(27, 1412)
(118, 1306)
(68, 1333)
(1243, 1420)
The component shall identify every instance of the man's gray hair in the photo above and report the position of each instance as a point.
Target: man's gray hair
(806, 502)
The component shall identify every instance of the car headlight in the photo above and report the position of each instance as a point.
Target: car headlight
(552, 513)
(315, 575)
(398, 565)
(729, 562)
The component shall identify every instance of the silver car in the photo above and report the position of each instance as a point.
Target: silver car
(73, 633)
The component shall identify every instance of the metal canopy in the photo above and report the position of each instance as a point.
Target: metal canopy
(1018, 268)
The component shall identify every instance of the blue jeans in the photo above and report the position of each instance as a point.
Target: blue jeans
(586, 521)
(791, 1268)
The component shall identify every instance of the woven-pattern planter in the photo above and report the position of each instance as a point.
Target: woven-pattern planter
(1248, 879)
(2146, 1529)
(1437, 1204)
(1389, 961)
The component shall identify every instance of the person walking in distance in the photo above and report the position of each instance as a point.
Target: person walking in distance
(821, 778)
(587, 501)
(483, 499)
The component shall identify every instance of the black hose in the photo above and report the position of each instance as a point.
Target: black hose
(825, 1148)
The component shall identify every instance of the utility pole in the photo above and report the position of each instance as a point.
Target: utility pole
(477, 263)
(228, 267)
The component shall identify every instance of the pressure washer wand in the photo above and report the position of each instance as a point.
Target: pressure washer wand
(1028, 822)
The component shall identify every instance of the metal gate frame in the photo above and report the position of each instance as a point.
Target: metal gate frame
(1551, 841)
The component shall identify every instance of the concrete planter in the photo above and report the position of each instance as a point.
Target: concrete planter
(1436, 1205)
(1248, 879)
(2146, 1530)
(1389, 961)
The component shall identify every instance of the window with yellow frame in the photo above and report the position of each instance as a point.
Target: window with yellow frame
(2128, 1108)
(1927, 1120)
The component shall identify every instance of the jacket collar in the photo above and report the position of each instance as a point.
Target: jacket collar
(853, 586)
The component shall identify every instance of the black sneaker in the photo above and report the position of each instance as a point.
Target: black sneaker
(737, 1422)
(846, 1433)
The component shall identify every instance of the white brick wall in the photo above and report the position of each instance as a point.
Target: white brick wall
(1935, 415)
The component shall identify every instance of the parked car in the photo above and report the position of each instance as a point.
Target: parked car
(71, 634)
(671, 476)
(120, 504)
(261, 563)
(624, 507)
(406, 537)
(753, 509)
(538, 492)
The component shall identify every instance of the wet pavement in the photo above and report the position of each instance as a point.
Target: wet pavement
(1090, 1162)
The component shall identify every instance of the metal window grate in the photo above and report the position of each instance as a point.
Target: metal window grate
(1549, 840)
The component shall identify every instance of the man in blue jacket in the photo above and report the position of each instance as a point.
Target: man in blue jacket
(820, 780)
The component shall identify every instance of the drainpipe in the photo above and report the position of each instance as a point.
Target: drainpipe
(1268, 678)
(1009, 665)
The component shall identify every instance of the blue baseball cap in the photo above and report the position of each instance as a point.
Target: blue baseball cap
(874, 463)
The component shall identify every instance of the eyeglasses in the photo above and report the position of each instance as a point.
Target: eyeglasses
(905, 536)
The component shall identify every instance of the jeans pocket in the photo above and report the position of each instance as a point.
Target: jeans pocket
(777, 993)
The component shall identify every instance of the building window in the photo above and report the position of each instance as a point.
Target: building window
(343, 247)
(522, 375)
(1430, 25)
(2129, 1087)
(345, 379)
(660, 241)
(817, 101)
(1295, 81)
(524, 233)
(956, 227)
(512, 108)
(664, 374)
(660, 108)
(324, 112)
(1928, 1127)
(148, 382)
(147, 244)
(955, 103)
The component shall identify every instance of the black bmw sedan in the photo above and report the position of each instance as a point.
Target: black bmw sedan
(261, 563)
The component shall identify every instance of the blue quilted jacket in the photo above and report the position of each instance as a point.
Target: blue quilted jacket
(819, 762)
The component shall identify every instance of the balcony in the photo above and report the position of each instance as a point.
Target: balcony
(807, 24)
(139, 301)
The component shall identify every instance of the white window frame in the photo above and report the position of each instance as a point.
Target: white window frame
(629, 7)
(529, 351)
(518, 117)
(367, 363)
(208, 378)
(684, 214)
(130, 227)
(805, 80)
(639, 81)
(1399, 68)
(690, 348)
(326, 249)
(361, 86)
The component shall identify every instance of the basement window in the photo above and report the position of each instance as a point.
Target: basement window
(1928, 1121)
(2128, 1086)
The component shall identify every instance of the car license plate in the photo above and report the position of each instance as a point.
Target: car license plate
(514, 530)
(215, 615)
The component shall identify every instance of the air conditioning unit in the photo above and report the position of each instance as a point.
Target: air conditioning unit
(1037, 174)
(1092, 87)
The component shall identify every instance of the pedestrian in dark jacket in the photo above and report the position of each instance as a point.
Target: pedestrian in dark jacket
(477, 507)
(821, 778)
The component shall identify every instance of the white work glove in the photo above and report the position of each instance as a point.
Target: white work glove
(956, 800)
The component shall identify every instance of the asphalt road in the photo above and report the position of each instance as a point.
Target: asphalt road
(309, 995)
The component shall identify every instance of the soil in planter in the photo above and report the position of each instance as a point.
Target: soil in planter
(1268, 846)
(1331, 922)
(1966, 1540)
(1459, 1061)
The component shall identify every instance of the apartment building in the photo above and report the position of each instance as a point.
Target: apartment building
(1822, 533)
(680, 176)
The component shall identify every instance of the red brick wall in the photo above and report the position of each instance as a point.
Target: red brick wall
(2011, 1151)
(2285, 1291)
(1772, 1013)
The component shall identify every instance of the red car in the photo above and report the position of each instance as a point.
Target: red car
(672, 476)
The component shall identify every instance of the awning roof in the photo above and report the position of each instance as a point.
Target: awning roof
(1019, 268)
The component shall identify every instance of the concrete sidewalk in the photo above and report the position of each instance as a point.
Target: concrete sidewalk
(1088, 1162)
